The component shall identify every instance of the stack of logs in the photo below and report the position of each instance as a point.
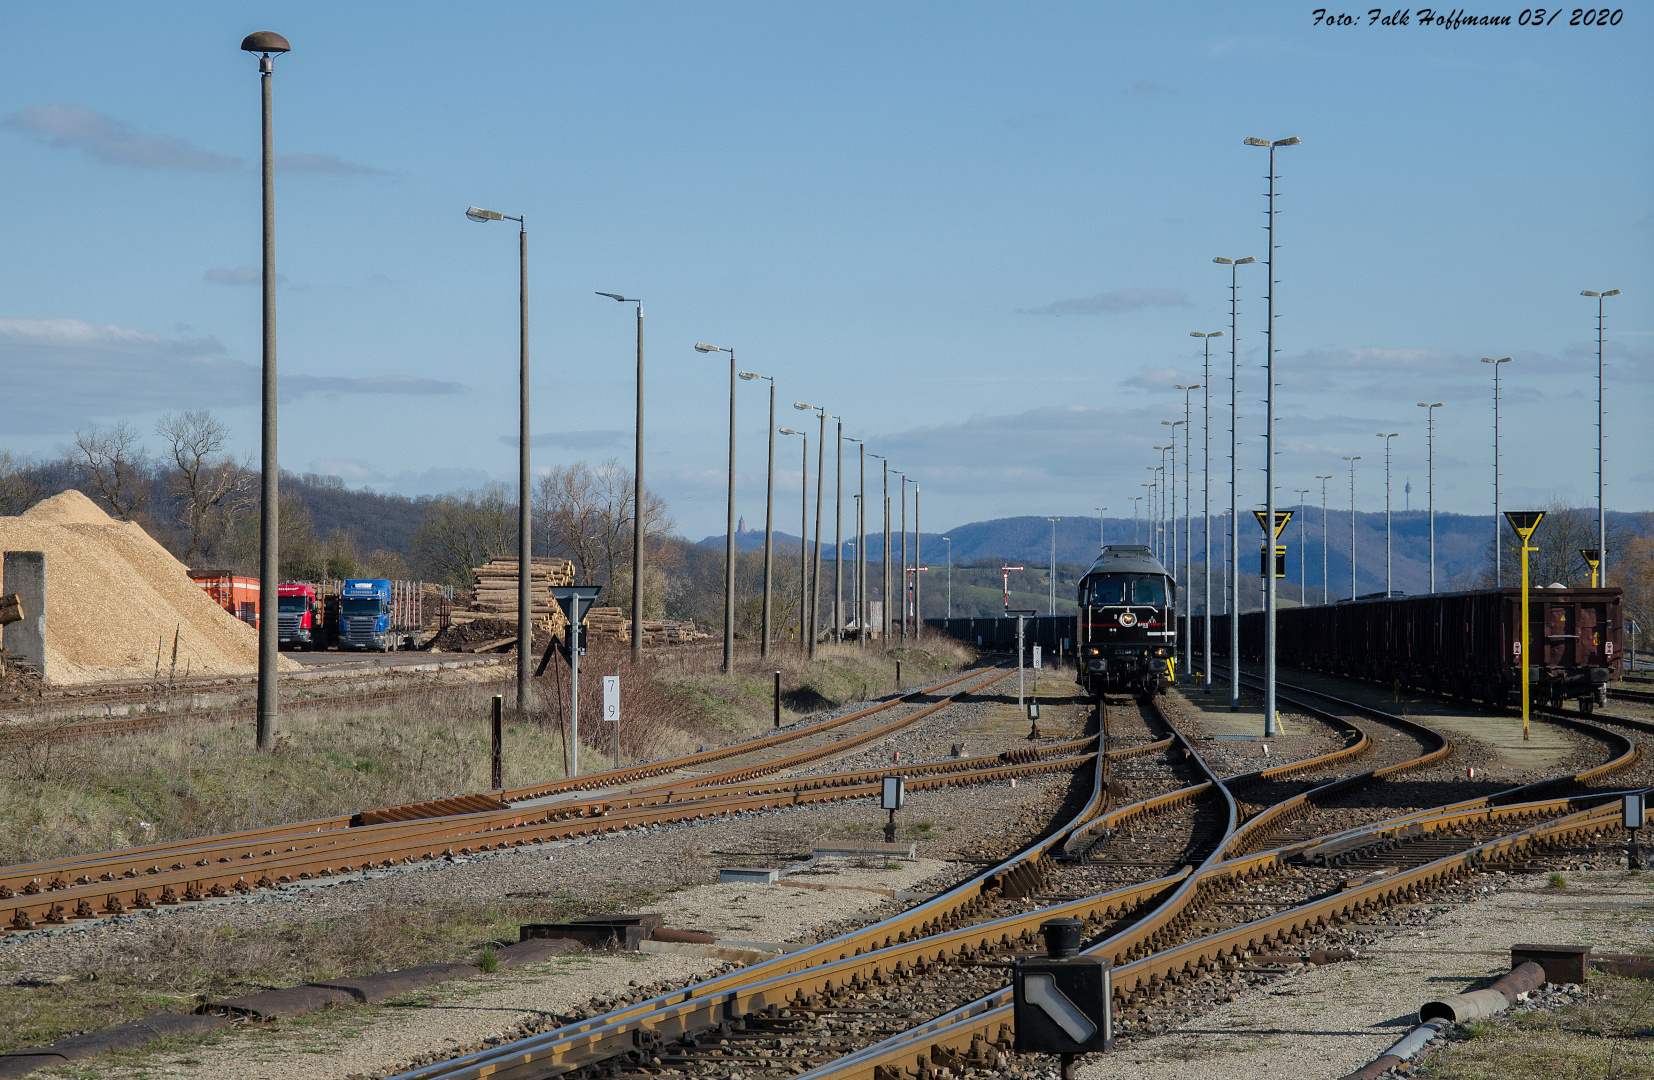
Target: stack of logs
(608, 622)
(496, 591)
(611, 621)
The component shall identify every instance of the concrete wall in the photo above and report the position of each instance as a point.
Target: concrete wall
(24, 573)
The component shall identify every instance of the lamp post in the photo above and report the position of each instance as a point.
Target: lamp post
(1525, 522)
(769, 519)
(1352, 461)
(1602, 519)
(1135, 499)
(949, 541)
(269, 45)
(918, 589)
(1188, 534)
(1100, 526)
(1430, 480)
(637, 489)
(1326, 597)
(1498, 562)
(1388, 587)
(1269, 442)
(729, 528)
(821, 465)
(1233, 565)
(884, 554)
(838, 535)
(1303, 563)
(1206, 506)
(803, 529)
(525, 526)
(1053, 581)
(858, 576)
(903, 620)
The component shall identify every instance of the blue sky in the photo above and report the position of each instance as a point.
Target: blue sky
(980, 232)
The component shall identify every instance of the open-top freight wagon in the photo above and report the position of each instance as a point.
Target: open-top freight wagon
(1464, 644)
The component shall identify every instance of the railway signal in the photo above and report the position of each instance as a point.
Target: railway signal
(1063, 1003)
(1005, 581)
(1525, 522)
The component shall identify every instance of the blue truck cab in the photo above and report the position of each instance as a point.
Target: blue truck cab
(365, 615)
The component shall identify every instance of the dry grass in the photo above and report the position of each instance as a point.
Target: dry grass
(204, 777)
(1606, 1037)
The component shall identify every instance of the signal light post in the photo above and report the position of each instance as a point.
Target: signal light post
(1525, 522)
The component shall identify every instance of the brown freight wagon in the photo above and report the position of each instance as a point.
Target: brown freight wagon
(1465, 644)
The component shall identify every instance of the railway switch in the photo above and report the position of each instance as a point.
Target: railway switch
(1064, 1001)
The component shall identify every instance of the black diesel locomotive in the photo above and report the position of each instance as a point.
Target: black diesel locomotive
(1127, 630)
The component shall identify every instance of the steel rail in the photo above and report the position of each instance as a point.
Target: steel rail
(17, 879)
(796, 974)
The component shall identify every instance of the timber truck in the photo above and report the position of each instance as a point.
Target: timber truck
(365, 615)
(299, 620)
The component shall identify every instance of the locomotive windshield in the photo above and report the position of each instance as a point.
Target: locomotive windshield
(1127, 589)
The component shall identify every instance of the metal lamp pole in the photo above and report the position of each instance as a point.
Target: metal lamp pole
(1269, 445)
(1174, 425)
(821, 465)
(1053, 581)
(1303, 559)
(525, 526)
(1352, 461)
(1498, 562)
(1100, 526)
(1602, 520)
(1430, 479)
(1188, 535)
(1326, 597)
(729, 527)
(902, 477)
(1388, 588)
(1233, 567)
(918, 589)
(266, 43)
(769, 517)
(803, 528)
(1135, 499)
(637, 489)
(884, 553)
(858, 569)
(838, 536)
(1206, 506)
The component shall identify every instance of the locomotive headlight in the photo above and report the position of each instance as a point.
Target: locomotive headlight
(1093, 650)
(1162, 651)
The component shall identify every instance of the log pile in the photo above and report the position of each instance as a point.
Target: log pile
(669, 632)
(608, 621)
(496, 592)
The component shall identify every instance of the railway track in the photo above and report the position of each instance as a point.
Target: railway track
(851, 1015)
(95, 886)
(1641, 697)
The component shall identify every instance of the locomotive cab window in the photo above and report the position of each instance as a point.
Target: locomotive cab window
(1127, 589)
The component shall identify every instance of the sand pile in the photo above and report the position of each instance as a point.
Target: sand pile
(114, 596)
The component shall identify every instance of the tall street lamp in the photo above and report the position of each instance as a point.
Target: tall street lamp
(858, 525)
(884, 554)
(1269, 441)
(1174, 425)
(821, 466)
(903, 486)
(1135, 499)
(525, 526)
(769, 515)
(838, 534)
(637, 488)
(918, 589)
(1188, 535)
(1206, 505)
(1498, 562)
(1232, 567)
(1326, 597)
(729, 530)
(1430, 408)
(1101, 526)
(1303, 558)
(266, 43)
(1053, 582)
(1602, 520)
(1352, 461)
(803, 528)
(1388, 587)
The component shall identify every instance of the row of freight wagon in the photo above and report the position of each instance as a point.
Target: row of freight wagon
(372, 614)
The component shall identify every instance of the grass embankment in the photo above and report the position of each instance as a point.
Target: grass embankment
(1606, 1035)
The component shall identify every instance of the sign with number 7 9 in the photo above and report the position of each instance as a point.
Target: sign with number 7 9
(611, 698)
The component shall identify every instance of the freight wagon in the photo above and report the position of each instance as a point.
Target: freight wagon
(1464, 644)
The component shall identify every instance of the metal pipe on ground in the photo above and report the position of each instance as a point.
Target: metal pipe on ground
(1438, 1016)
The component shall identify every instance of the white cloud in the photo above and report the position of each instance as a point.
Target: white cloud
(75, 127)
(60, 373)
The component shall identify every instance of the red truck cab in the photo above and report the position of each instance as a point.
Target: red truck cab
(299, 617)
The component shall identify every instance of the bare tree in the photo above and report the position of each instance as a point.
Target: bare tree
(16, 489)
(585, 515)
(115, 462)
(210, 487)
(466, 529)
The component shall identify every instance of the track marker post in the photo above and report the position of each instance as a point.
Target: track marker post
(1020, 616)
(498, 759)
(1525, 522)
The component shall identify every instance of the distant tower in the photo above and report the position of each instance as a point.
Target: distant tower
(741, 525)
(1409, 490)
